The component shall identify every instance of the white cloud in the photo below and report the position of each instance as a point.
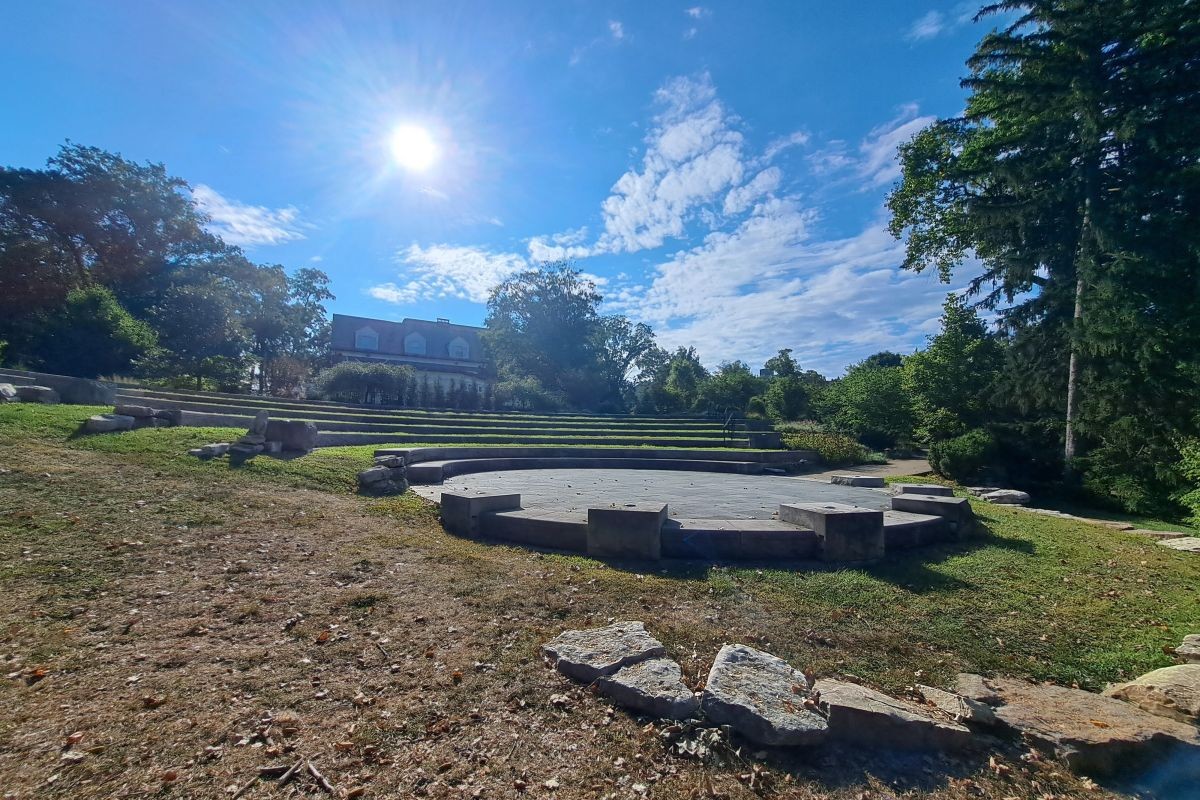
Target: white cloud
(926, 26)
(772, 283)
(875, 163)
(442, 270)
(932, 24)
(697, 12)
(878, 162)
(693, 154)
(245, 225)
(777, 146)
(616, 29)
(559, 246)
(741, 197)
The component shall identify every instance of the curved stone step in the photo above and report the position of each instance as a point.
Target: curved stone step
(437, 471)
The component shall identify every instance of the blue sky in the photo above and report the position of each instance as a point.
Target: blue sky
(719, 168)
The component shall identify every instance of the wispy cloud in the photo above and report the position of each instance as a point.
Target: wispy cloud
(616, 35)
(777, 146)
(874, 163)
(442, 270)
(935, 23)
(926, 26)
(697, 12)
(245, 225)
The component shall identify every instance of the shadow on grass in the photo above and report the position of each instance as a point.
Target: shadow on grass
(910, 569)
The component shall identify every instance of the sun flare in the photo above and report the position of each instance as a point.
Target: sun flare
(413, 148)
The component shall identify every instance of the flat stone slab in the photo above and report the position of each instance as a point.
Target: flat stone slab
(1149, 534)
(1189, 649)
(1172, 692)
(922, 488)
(105, 423)
(1089, 732)
(761, 697)
(653, 687)
(961, 709)
(1010, 497)
(867, 481)
(1188, 544)
(586, 655)
(865, 716)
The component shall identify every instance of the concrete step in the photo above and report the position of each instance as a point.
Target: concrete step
(903, 530)
(341, 439)
(433, 420)
(224, 399)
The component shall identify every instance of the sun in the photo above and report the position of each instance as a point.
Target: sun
(413, 148)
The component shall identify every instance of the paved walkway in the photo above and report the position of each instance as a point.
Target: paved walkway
(900, 466)
(696, 495)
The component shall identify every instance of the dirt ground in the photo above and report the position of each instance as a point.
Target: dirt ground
(168, 636)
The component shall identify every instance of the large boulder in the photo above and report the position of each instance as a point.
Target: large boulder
(653, 687)
(1189, 648)
(761, 697)
(297, 436)
(865, 716)
(8, 393)
(106, 423)
(259, 426)
(586, 655)
(85, 392)
(37, 394)
(382, 480)
(1089, 732)
(1188, 544)
(1172, 692)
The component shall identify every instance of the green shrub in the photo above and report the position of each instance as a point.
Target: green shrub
(1189, 467)
(363, 382)
(835, 449)
(964, 458)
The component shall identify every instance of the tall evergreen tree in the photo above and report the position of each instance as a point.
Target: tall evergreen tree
(1073, 177)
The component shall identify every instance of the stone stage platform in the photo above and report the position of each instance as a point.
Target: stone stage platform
(687, 494)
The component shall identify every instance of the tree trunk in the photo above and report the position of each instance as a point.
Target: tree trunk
(1071, 443)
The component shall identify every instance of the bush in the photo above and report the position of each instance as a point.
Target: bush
(964, 458)
(835, 449)
(527, 394)
(91, 335)
(362, 382)
(1189, 467)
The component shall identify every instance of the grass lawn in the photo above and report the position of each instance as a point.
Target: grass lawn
(195, 623)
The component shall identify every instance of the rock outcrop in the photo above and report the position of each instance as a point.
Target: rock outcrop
(761, 697)
(586, 655)
(653, 687)
(1172, 692)
(865, 716)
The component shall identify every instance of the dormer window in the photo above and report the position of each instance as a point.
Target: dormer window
(414, 344)
(459, 349)
(366, 339)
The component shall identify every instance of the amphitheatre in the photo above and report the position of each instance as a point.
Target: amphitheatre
(638, 518)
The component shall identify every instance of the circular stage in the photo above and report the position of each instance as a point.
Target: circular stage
(704, 495)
